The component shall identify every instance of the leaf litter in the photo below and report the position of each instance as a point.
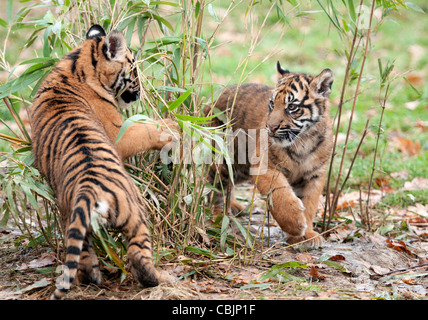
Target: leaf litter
(351, 264)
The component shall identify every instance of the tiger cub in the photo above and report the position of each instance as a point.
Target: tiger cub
(293, 145)
(75, 121)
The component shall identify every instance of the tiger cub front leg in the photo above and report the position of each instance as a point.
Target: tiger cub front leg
(310, 194)
(286, 208)
(140, 137)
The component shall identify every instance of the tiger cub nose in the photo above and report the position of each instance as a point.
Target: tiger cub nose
(272, 128)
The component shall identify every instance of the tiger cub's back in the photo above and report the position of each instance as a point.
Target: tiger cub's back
(243, 105)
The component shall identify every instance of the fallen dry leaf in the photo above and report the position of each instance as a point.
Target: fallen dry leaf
(423, 125)
(407, 146)
(415, 79)
(352, 199)
(411, 105)
(346, 204)
(315, 274)
(304, 257)
(409, 280)
(326, 294)
(383, 184)
(404, 174)
(208, 286)
(379, 270)
(399, 246)
(377, 238)
(337, 257)
(418, 183)
(47, 259)
(419, 209)
(36, 285)
(8, 295)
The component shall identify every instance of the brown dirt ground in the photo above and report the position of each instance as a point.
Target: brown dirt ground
(366, 268)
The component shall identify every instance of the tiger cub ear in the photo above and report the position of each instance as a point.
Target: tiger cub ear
(95, 31)
(321, 84)
(115, 46)
(280, 71)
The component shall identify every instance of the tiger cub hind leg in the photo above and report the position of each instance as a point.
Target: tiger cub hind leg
(219, 177)
(81, 262)
(89, 269)
(140, 250)
(236, 207)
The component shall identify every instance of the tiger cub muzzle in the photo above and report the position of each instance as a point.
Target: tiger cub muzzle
(127, 88)
(282, 132)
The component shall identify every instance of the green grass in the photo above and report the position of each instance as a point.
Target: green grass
(404, 199)
(309, 44)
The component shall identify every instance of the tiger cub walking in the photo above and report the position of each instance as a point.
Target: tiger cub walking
(75, 122)
(293, 121)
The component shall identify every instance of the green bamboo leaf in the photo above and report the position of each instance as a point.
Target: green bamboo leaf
(290, 264)
(197, 8)
(203, 252)
(225, 152)
(129, 121)
(212, 12)
(170, 89)
(203, 44)
(185, 117)
(175, 104)
(168, 3)
(46, 60)
(244, 231)
(223, 232)
(164, 41)
(20, 83)
(261, 286)
(3, 23)
(352, 10)
(162, 21)
(39, 189)
(9, 11)
(278, 269)
(414, 7)
(130, 31)
(46, 46)
(30, 196)
(5, 218)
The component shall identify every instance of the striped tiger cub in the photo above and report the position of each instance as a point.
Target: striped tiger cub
(75, 121)
(293, 145)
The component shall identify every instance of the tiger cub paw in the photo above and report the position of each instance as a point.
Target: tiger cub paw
(236, 207)
(290, 216)
(165, 277)
(311, 239)
(166, 131)
(92, 276)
